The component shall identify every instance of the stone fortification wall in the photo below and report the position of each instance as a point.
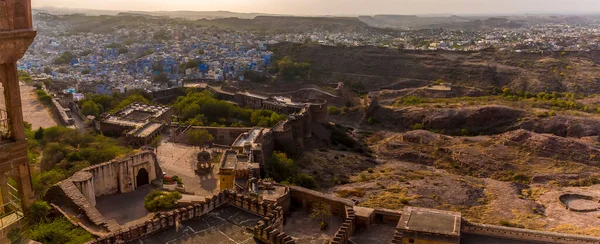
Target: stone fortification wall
(270, 229)
(78, 193)
(305, 198)
(168, 95)
(347, 229)
(169, 219)
(60, 113)
(221, 135)
(119, 176)
(523, 234)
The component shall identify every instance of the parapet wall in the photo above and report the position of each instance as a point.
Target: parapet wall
(347, 229)
(270, 229)
(305, 198)
(221, 135)
(169, 219)
(524, 234)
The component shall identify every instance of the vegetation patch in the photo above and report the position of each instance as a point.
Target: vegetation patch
(392, 198)
(160, 200)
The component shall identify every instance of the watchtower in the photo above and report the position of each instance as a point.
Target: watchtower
(16, 34)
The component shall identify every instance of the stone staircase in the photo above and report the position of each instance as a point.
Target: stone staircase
(94, 216)
(113, 226)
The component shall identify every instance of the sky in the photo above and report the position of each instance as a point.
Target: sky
(339, 7)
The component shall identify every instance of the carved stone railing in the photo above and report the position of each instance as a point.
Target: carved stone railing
(5, 126)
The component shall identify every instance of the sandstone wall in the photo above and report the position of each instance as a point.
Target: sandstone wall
(305, 198)
(347, 229)
(524, 234)
(221, 135)
(273, 216)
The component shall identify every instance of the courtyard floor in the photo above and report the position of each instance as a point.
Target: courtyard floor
(307, 230)
(379, 233)
(125, 208)
(180, 160)
(226, 225)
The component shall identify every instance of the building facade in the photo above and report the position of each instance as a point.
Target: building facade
(16, 34)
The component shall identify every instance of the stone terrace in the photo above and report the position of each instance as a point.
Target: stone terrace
(225, 225)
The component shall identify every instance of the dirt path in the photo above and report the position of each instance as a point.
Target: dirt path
(34, 111)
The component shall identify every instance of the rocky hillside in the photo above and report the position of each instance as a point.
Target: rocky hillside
(371, 68)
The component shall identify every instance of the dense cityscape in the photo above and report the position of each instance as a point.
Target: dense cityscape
(157, 54)
(131, 126)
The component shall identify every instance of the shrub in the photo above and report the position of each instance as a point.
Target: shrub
(177, 179)
(418, 126)
(59, 231)
(38, 211)
(333, 110)
(159, 200)
(305, 180)
(362, 177)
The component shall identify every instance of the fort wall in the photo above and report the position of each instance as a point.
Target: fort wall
(221, 135)
(305, 198)
(347, 229)
(268, 228)
(524, 234)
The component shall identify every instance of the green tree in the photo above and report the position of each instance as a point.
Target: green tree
(38, 212)
(48, 70)
(59, 231)
(320, 211)
(199, 138)
(39, 134)
(89, 107)
(305, 180)
(161, 78)
(280, 167)
(158, 200)
(123, 50)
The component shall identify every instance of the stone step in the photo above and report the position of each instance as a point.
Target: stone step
(113, 226)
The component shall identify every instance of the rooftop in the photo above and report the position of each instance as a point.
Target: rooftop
(248, 137)
(430, 221)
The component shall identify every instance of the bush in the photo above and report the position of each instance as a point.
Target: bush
(305, 180)
(418, 126)
(38, 212)
(333, 110)
(159, 200)
(59, 231)
(177, 179)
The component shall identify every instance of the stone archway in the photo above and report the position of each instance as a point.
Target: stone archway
(142, 178)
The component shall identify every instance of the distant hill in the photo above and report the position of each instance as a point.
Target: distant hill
(291, 23)
(196, 15)
(410, 21)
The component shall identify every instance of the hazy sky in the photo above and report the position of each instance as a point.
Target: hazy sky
(324, 7)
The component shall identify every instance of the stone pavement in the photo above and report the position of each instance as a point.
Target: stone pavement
(180, 160)
(226, 225)
(124, 208)
(307, 231)
(378, 233)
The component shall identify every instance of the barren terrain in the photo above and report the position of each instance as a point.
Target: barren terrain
(34, 111)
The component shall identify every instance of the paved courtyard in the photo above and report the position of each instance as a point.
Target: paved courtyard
(379, 233)
(226, 225)
(307, 231)
(125, 208)
(180, 160)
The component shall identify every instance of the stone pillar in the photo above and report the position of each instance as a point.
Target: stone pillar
(12, 96)
(24, 185)
(5, 197)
